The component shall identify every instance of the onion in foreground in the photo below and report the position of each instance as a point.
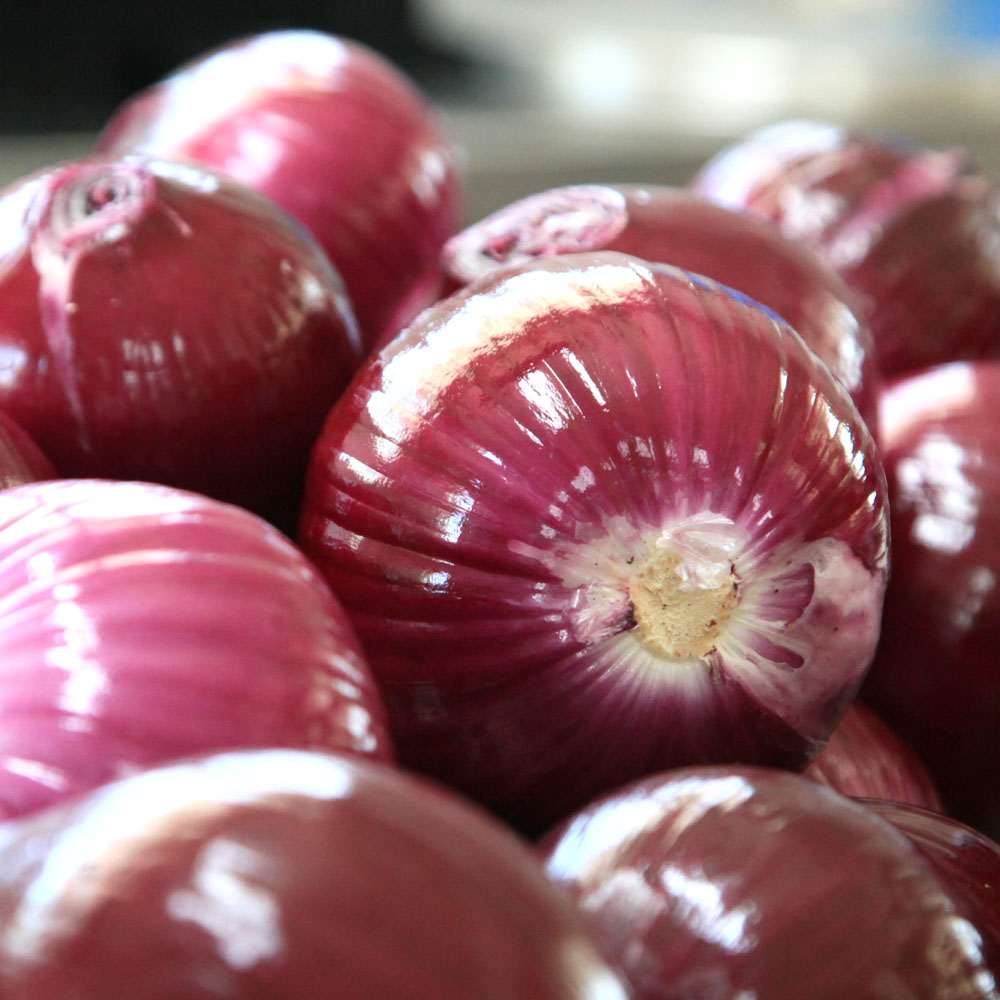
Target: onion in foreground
(283, 875)
(593, 517)
(141, 623)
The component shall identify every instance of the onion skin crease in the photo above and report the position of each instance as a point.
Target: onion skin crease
(673, 226)
(162, 323)
(593, 517)
(283, 875)
(912, 231)
(141, 623)
(737, 881)
(337, 136)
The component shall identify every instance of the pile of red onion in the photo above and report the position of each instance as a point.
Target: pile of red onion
(593, 600)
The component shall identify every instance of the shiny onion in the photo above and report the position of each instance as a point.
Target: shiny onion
(141, 623)
(335, 134)
(283, 875)
(594, 517)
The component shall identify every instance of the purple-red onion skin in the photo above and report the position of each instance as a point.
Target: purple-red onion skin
(142, 623)
(21, 460)
(864, 758)
(912, 231)
(163, 323)
(744, 882)
(488, 497)
(673, 226)
(335, 134)
(936, 678)
(283, 875)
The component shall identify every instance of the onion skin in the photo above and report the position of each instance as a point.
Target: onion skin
(283, 875)
(495, 497)
(912, 231)
(935, 679)
(142, 623)
(864, 758)
(673, 226)
(337, 136)
(734, 882)
(21, 460)
(162, 323)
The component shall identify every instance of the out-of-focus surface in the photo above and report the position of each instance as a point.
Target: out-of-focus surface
(546, 92)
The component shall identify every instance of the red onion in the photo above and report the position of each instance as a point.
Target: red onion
(913, 231)
(936, 679)
(865, 758)
(21, 460)
(673, 226)
(283, 875)
(742, 882)
(335, 134)
(158, 322)
(140, 623)
(593, 517)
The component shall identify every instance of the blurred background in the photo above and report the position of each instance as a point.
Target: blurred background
(545, 92)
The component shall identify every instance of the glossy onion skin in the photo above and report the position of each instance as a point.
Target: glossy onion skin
(283, 875)
(162, 323)
(336, 135)
(936, 678)
(140, 623)
(483, 496)
(734, 882)
(865, 758)
(912, 231)
(673, 226)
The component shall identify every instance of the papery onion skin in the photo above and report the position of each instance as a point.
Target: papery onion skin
(965, 858)
(913, 231)
(673, 226)
(140, 623)
(160, 322)
(865, 758)
(936, 679)
(283, 875)
(733, 882)
(335, 134)
(490, 499)
(21, 460)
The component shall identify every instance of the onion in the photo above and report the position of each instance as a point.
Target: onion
(140, 623)
(593, 517)
(913, 231)
(672, 226)
(936, 679)
(865, 758)
(158, 322)
(335, 134)
(283, 875)
(21, 460)
(743, 882)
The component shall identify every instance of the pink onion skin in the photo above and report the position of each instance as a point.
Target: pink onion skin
(21, 460)
(936, 680)
(336, 135)
(966, 858)
(142, 623)
(732, 882)
(283, 875)
(865, 758)
(673, 226)
(912, 231)
(492, 497)
(166, 324)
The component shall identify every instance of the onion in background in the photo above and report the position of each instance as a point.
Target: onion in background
(743, 882)
(913, 231)
(141, 623)
(672, 226)
(593, 517)
(865, 758)
(283, 875)
(936, 677)
(159, 322)
(21, 460)
(336, 135)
